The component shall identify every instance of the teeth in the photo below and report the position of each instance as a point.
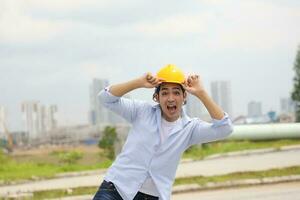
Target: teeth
(171, 107)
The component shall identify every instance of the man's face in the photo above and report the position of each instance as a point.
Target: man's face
(171, 98)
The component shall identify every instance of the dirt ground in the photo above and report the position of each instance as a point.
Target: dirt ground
(50, 148)
(46, 154)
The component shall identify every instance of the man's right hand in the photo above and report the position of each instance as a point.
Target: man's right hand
(145, 81)
(150, 81)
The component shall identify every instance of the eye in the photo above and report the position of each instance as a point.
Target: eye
(164, 93)
(177, 93)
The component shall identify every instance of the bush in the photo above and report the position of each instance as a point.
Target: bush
(69, 157)
(107, 142)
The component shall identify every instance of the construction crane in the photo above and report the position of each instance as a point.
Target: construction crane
(10, 143)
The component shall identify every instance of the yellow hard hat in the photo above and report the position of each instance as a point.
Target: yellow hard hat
(172, 74)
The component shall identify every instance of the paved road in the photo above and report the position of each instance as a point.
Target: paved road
(283, 191)
(225, 165)
(204, 168)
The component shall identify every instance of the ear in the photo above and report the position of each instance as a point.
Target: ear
(184, 97)
(155, 97)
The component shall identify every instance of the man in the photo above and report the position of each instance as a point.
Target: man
(146, 167)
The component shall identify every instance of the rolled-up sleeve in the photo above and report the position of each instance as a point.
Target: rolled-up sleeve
(126, 108)
(204, 132)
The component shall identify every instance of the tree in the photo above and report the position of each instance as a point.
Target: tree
(108, 140)
(296, 90)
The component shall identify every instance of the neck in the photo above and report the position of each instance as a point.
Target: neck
(173, 119)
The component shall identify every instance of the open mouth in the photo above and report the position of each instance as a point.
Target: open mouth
(171, 108)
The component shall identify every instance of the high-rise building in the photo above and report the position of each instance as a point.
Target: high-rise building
(287, 105)
(194, 107)
(31, 118)
(98, 113)
(38, 118)
(2, 121)
(254, 109)
(221, 93)
(51, 121)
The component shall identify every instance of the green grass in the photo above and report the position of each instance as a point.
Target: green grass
(12, 170)
(198, 152)
(64, 193)
(15, 168)
(200, 180)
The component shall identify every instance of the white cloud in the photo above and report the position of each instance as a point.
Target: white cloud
(75, 5)
(244, 25)
(109, 39)
(17, 27)
(96, 69)
(176, 26)
(256, 25)
(63, 5)
(248, 24)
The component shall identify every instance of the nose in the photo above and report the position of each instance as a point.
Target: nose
(170, 98)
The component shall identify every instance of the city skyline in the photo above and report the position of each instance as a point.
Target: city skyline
(98, 113)
(221, 92)
(38, 119)
(104, 116)
(50, 51)
(254, 109)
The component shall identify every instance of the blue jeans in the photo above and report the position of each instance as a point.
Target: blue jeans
(107, 191)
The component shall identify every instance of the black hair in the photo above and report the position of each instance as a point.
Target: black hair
(157, 89)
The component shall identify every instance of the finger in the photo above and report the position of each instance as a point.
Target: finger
(161, 79)
(157, 83)
(149, 78)
(186, 84)
(153, 82)
(194, 77)
(152, 79)
(189, 80)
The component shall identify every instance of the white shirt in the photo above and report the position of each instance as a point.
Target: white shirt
(148, 186)
(143, 156)
(167, 127)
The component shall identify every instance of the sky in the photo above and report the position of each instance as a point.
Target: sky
(51, 50)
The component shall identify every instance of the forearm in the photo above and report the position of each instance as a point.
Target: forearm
(214, 110)
(123, 88)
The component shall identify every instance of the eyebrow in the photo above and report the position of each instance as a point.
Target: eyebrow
(174, 88)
